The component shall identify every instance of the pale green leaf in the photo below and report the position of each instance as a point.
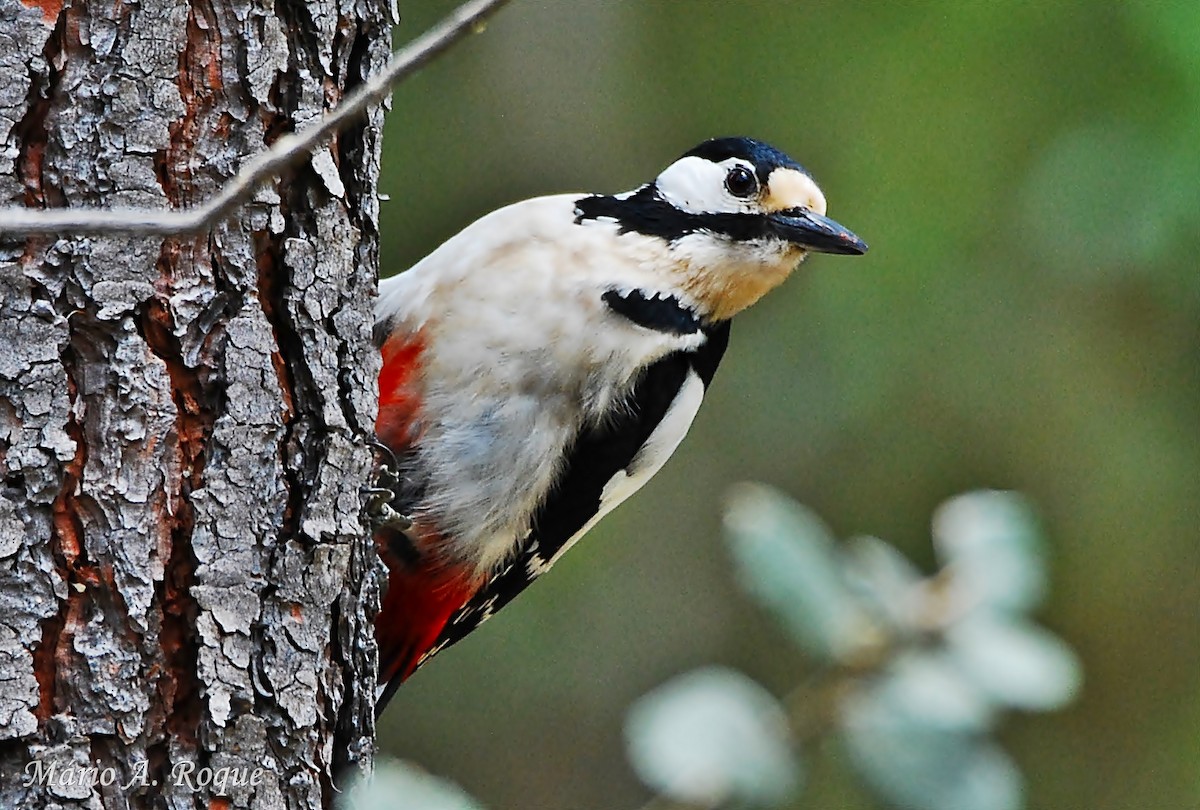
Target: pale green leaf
(1015, 662)
(991, 546)
(887, 579)
(787, 559)
(713, 736)
(919, 737)
(399, 786)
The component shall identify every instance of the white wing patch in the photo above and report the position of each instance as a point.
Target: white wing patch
(648, 461)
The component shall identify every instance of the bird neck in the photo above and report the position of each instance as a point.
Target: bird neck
(724, 262)
(722, 280)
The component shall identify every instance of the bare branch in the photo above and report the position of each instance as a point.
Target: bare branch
(284, 152)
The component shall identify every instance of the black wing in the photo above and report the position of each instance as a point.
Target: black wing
(597, 455)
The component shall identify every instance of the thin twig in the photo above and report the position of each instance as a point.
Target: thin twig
(267, 164)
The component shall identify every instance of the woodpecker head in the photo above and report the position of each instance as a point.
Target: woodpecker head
(735, 217)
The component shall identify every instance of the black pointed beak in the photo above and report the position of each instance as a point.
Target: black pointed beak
(814, 232)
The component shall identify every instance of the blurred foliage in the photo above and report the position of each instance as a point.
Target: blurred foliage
(914, 672)
(397, 785)
(711, 738)
(1028, 318)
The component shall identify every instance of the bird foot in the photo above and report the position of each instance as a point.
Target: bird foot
(380, 512)
(378, 497)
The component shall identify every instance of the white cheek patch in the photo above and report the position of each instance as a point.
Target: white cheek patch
(697, 186)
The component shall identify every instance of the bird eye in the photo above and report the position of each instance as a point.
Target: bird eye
(741, 182)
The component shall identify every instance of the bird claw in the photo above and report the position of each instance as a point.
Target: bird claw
(385, 517)
(379, 497)
(388, 472)
(382, 449)
(380, 512)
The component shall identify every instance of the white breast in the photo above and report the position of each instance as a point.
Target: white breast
(521, 354)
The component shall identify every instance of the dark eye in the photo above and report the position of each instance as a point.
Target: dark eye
(741, 182)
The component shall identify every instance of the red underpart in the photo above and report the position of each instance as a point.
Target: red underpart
(418, 603)
(421, 596)
(399, 399)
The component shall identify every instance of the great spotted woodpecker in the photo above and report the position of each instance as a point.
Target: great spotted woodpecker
(541, 365)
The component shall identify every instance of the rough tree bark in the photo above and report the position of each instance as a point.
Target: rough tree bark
(184, 579)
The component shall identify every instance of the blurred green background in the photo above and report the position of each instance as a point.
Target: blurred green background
(1028, 178)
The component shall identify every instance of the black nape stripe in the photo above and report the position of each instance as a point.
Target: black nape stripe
(646, 213)
(662, 314)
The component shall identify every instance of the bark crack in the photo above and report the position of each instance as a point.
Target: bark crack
(271, 285)
(351, 147)
(197, 404)
(198, 401)
(66, 546)
(200, 83)
(31, 132)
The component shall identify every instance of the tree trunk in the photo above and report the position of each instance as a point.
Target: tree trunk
(185, 584)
